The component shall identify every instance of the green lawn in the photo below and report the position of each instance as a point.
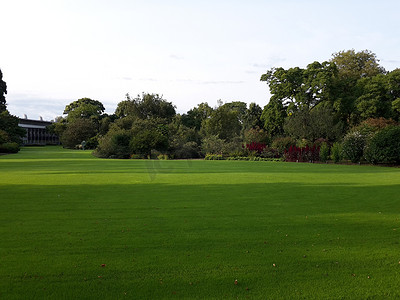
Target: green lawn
(76, 227)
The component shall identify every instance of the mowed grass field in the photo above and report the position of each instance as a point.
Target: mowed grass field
(77, 227)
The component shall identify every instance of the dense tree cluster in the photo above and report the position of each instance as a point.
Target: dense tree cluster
(341, 105)
(10, 133)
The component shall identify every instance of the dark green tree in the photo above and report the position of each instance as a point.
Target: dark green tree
(3, 92)
(78, 131)
(10, 133)
(352, 66)
(148, 134)
(252, 117)
(194, 117)
(223, 122)
(273, 117)
(146, 106)
(84, 108)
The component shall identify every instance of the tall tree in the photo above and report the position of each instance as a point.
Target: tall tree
(146, 106)
(301, 87)
(352, 66)
(273, 116)
(3, 92)
(84, 108)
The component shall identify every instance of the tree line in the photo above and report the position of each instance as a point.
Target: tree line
(10, 133)
(337, 108)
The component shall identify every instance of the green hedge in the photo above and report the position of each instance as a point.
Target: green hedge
(9, 148)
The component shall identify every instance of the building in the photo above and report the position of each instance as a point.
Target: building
(37, 133)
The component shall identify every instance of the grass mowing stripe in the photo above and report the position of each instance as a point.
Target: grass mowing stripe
(73, 226)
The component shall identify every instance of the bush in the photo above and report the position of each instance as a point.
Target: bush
(324, 152)
(283, 143)
(353, 145)
(336, 152)
(9, 147)
(163, 157)
(213, 157)
(384, 146)
(187, 150)
(115, 144)
(303, 154)
(212, 145)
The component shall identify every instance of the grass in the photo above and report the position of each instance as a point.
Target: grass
(76, 227)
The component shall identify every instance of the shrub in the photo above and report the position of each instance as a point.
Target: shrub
(324, 152)
(283, 143)
(384, 146)
(9, 147)
(213, 157)
(163, 157)
(353, 145)
(187, 150)
(336, 152)
(115, 144)
(303, 154)
(212, 145)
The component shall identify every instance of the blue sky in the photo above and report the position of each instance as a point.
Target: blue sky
(55, 52)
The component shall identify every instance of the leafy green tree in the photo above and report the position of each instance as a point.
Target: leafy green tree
(252, 117)
(10, 133)
(352, 66)
(355, 65)
(273, 117)
(384, 146)
(301, 87)
(84, 108)
(147, 135)
(146, 106)
(223, 122)
(194, 117)
(320, 122)
(114, 144)
(3, 92)
(78, 131)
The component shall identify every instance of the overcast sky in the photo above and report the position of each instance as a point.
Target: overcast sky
(55, 52)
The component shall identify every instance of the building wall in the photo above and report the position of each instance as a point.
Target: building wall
(37, 133)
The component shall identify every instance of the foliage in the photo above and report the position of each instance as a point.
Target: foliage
(384, 146)
(353, 145)
(213, 157)
(301, 87)
(212, 145)
(77, 131)
(187, 150)
(9, 125)
(9, 147)
(256, 134)
(283, 143)
(336, 152)
(324, 152)
(148, 134)
(304, 154)
(115, 144)
(194, 117)
(320, 122)
(273, 117)
(252, 117)
(355, 65)
(255, 147)
(3, 91)
(374, 125)
(223, 122)
(146, 106)
(84, 108)
(163, 157)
